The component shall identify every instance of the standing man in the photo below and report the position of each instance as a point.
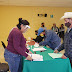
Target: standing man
(55, 28)
(67, 44)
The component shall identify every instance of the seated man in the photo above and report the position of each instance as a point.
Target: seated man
(55, 28)
(50, 38)
(38, 38)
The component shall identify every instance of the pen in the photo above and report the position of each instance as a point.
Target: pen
(31, 55)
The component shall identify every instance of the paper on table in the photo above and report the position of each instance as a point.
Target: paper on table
(27, 41)
(36, 45)
(55, 55)
(36, 57)
(38, 49)
(28, 48)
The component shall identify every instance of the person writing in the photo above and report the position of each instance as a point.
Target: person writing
(16, 47)
(51, 39)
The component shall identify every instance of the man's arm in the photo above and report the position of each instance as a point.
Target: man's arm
(46, 40)
(61, 47)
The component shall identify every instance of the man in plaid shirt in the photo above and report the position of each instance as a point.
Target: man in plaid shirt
(67, 44)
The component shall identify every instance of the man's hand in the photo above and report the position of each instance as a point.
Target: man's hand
(56, 51)
(63, 57)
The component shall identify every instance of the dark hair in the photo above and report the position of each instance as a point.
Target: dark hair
(44, 31)
(36, 30)
(42, 23)
(61, 24)
(24, 22)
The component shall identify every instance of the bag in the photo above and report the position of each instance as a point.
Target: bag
(4, 67)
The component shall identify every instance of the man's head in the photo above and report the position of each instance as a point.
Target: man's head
(62, 25)
(41, 31)
(36, 32)
(54, 25)
(42, 25)
(68, 19)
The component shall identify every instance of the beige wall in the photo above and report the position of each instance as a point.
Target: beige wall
(9, 18)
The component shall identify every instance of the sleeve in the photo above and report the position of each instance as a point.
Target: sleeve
(34, 40)
(27, 50)
(16, 44)
(46, 40)
(61, 47)
(39, 39)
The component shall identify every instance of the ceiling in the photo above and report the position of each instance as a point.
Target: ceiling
(53, 3)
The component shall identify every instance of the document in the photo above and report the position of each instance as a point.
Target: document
(36, 45)
(28, 48)
(36, 57)
(38, 49)
(55, 55)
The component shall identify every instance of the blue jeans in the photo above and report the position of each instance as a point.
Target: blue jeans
(14, 61)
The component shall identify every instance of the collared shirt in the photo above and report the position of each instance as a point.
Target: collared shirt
(67, 44)
(68, 29)
(51, 39)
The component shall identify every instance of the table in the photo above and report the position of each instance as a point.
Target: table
(48, 64)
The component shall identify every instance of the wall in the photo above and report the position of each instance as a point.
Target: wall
(9, 18)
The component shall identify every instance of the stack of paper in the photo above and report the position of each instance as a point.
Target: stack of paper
(28, 48)
(38, 49)
(27, 41)
(36, 45)
(36, 57)
(55, 55)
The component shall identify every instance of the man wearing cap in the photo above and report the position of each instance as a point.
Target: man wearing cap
(50, 38)
(67, 44)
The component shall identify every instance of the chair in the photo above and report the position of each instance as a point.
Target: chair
(4, 66)
(3, 44)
